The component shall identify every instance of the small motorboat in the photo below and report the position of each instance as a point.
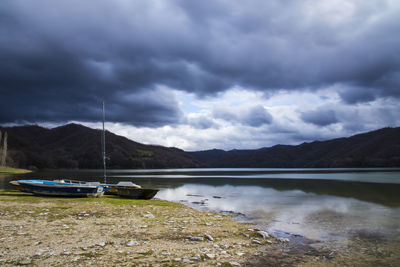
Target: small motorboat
(64, 188)
(131, 190)
(136, 193)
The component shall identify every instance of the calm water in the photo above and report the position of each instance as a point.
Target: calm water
(344, 209)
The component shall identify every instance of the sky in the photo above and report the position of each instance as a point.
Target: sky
(199, 75)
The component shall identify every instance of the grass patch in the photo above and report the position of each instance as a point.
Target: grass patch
(144, 153)
(4, 169)
(13, 195)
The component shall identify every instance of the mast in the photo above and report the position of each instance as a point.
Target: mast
(104, 149)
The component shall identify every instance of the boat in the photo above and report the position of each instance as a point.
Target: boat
(114, 187)
(136, 193)
(65, 188)
(124, 189)
(131, 190)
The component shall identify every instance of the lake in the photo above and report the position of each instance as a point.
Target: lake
(354, 213)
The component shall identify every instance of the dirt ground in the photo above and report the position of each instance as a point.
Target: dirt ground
(42, 231)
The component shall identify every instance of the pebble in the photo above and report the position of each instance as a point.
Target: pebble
(256, 241)
(234, 263)
(283, 239)
(165, 253)
(239, 254)
(102, 244)
(132, 243)
(40, 252)
(209, 237)
(210, 255)
(196, 257)
(263, 234)
(195, 238)
(148, 215)
(187, 261)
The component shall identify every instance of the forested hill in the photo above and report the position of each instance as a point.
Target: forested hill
(77, 146)
(380, 148)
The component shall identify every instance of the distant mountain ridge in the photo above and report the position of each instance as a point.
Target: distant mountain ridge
(77, 146)
(380, 148)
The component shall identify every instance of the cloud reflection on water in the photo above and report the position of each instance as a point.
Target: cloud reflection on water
(315, 216)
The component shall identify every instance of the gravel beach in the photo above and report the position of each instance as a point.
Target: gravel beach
(108, 231)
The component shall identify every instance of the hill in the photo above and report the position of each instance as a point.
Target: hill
(380, 148)
(77, 146)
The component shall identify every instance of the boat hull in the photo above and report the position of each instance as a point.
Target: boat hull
(48, 188)
(136, 193)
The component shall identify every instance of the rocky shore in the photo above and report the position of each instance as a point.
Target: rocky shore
(108, 231)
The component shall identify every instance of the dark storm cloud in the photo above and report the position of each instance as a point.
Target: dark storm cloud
(254, 116)
(257, 116)
(202, 122)
(320, 117)
(59, 60)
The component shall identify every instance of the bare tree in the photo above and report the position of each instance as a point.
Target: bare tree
(4, 151)
(0, 148)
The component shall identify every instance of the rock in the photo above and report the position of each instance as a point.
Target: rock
(132, 243)
(210, 256)
(239, 254)
(224, 246)
(102, 244)
(187, 261)
(195, 238)
(256, 241)
(283, 240)
(196, 257)
(246, 235)
(40, 252)
(165, 253)
(263, 234)
(177, 259)
(209, 237)
(234, 263)
(148, 215)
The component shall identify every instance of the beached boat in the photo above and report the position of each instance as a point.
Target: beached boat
(65, 188)
(131, 190)
(124, 189)
(136, 193)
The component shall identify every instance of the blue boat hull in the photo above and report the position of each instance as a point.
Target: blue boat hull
(49, 188)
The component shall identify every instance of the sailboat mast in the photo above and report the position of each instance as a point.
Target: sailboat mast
(104, 149)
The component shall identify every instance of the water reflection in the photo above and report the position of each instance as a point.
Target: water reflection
(311, 215)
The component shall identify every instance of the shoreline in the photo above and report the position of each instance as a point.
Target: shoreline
(111, 231)
(9, 170)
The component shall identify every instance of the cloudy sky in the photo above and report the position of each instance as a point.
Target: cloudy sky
(203, 74)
